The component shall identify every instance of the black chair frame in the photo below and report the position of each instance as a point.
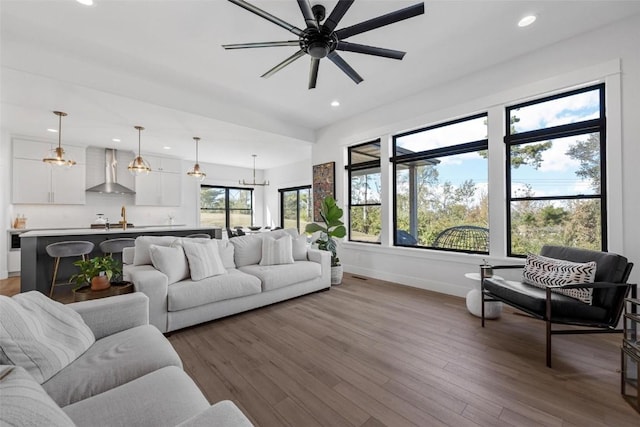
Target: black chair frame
(600, 328)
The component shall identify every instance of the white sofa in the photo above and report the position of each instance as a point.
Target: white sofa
(129, 376)
(178, 301)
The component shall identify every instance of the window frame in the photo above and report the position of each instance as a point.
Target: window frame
(281, 192)
(226, 201)
(462, 148)
(584, 127)
(361, 166)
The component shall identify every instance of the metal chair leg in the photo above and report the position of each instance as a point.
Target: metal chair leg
(548, 324)
(55, 274)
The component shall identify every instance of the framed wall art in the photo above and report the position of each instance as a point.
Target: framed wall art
(323, 185)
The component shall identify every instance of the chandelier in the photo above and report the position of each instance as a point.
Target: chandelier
(56, 155)
(254, 183)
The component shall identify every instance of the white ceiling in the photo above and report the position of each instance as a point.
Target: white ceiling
(159, 64)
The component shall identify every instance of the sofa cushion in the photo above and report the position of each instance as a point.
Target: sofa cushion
(204, 259)
(277, 251)
(41, 335)
(25, 403)
(533, 300)
(279, 276)
(299, 248)
(223, 414)
(545, 272)
(226, 249)
(142, 254)
(110, 362)
(171, 261)
(247, 249)
(189, 293)
(165, 397)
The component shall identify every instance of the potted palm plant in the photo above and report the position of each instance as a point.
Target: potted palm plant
(96, 272)
(333, 228)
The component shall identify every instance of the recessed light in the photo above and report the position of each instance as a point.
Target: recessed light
(527, 20)
(86, 2)
(335, 103)
(52, 130)
(166, 147)
(116, 139)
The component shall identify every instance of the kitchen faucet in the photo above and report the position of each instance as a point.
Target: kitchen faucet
(123, 214)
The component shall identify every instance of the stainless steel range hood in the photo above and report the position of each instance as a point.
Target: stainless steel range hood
(110, 184)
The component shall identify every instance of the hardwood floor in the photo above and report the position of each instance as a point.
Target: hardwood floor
(369, 353)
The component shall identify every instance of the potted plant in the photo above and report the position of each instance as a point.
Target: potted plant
(333, 228)
(96, 272)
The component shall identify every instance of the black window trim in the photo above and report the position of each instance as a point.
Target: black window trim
(598, 125)
(226, 201)
(465, 147)
(357, 167)
(281, 191)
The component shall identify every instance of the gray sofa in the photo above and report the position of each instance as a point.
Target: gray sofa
(130, 376)
(177, 301)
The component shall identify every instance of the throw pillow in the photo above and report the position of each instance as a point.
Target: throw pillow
(204, 259)
(300, 248)
(226, 250)
(248, 249)
(544, 272)
(171, 261)
(41, 335)
(25, 403)
(275, 252)
(142, 255)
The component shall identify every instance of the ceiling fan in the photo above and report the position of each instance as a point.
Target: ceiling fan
(323, 40)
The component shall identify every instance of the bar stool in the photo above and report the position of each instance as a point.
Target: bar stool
(116, 246)
(64, 250)
(199, 236)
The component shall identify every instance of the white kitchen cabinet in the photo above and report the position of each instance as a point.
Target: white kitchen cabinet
(163, 185)
(36, 182)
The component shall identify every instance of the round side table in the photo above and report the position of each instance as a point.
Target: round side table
(492, 309)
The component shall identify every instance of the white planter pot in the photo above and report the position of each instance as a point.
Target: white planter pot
(336, 275)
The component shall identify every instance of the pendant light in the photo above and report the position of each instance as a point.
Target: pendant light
(254, 183)
(139, 166)
(196, 172)
(56, 155)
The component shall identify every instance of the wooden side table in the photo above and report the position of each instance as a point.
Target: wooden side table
(85, 294)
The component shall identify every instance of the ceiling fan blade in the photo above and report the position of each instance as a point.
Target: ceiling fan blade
(381, 21)
(261, 44)
(309, 18)
(283, 64)
(370, 50)
(336, 15)
(313, 72)
(342, 64)
(266, 15)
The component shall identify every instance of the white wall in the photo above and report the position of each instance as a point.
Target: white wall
(596, 56)
(5, 191)
(295, 174)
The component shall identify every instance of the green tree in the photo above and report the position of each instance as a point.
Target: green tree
(588, 154)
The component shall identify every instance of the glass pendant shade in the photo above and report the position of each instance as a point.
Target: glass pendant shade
(196, 172)
(139, 166)
(56, 156)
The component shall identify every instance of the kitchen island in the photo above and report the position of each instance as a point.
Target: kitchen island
(36, 266)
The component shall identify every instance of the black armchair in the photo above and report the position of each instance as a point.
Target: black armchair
(602, 316)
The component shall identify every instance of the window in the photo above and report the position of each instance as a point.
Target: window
(440, 186)
(295, 207)
(364, 189)
(226, 207)
(556, 171)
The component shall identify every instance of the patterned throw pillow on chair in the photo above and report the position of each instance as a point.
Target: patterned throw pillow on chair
(544, 272)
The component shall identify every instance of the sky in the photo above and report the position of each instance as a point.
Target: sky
(555, 177)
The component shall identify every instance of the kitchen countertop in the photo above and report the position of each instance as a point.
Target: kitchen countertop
(98, 231)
